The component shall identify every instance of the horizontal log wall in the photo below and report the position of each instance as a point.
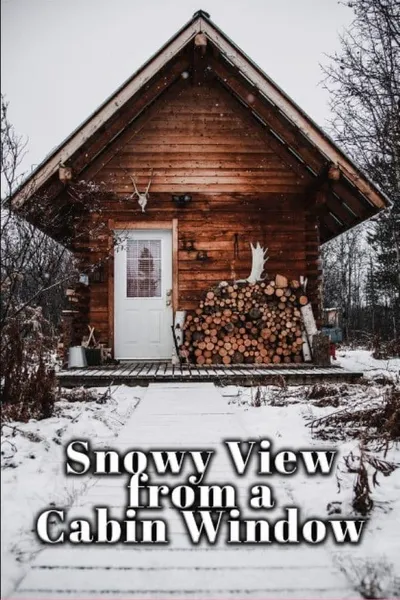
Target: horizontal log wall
(200, 142)
(241, 191)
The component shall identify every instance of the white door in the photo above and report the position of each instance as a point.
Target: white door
(143, 295)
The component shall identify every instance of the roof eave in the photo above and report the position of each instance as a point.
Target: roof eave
(50, 163)
(289, 108)
(201, 22)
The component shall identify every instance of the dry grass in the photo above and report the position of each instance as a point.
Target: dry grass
(370, 578)
(81, 394)
(367, 468)
(28, 388)
(375, 421)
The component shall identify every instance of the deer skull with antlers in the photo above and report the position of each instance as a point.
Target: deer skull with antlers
(143, 197)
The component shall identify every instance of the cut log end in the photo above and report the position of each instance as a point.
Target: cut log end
(259, 323)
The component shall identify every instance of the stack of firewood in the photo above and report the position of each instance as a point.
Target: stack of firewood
(247, 323)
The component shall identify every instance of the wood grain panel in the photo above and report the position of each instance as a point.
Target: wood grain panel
(197, 142)
(241, 191)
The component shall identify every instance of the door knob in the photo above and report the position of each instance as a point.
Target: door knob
(168, 301)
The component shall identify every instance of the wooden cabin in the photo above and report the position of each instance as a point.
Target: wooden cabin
(227, 159)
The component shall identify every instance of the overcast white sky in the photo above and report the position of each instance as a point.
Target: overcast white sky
(62, 58)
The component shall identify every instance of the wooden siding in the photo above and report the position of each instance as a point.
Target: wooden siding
(200, 143)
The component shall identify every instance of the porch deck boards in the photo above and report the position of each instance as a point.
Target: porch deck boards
(143, 373)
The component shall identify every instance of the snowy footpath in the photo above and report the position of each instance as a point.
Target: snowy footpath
(193, 416)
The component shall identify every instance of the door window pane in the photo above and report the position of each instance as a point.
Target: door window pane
(143, 272)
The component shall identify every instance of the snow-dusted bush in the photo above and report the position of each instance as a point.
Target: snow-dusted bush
(28, 384)
(370, 578)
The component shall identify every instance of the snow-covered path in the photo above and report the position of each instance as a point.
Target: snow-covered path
(189, 416)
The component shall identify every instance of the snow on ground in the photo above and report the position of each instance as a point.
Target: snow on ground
(33, 453)
(362, 360)
(283, 420)
(32, 475)
(285, 415)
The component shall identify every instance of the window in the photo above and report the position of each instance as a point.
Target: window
(143, 273)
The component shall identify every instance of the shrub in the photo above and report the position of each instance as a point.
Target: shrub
(28, 383)
(370, 578)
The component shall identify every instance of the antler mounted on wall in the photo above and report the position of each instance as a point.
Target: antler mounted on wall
(143, 197)
(259, 258)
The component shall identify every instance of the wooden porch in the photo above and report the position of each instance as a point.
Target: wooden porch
(143, 373)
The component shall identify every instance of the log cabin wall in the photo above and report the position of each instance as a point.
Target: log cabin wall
(211, 124)
(201, 143)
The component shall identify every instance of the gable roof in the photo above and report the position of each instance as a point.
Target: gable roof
(352, 196)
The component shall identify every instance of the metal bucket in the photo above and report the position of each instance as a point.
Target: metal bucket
(77, 357)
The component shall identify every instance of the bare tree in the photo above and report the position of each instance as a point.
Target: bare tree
(345, 261)
(33, 264)
(35, 270)
(364, 83)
